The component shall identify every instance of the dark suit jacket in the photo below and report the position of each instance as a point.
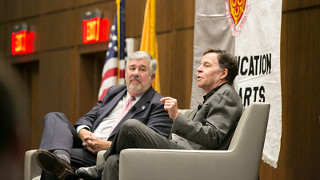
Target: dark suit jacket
(148, 110)
(213, 125)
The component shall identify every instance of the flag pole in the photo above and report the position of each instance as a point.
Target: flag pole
(118, 39)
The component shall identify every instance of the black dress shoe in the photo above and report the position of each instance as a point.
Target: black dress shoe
(50, 163)
(90, 173)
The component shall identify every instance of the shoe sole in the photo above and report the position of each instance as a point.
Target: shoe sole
(48, 163)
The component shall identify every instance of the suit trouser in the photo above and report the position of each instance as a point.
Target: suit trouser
(59, 133)
(132, 134)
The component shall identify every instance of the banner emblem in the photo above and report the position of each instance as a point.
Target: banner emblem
(236, 13)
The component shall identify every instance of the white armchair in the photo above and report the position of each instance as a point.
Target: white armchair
(241, 161)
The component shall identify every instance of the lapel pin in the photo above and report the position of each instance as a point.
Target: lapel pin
(143, 107)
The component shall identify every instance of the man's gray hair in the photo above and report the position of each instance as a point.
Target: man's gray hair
(144, 55)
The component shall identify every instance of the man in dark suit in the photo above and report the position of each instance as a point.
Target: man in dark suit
(211, 127)
(64, 145)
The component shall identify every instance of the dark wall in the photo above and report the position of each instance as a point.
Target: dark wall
(63, 74)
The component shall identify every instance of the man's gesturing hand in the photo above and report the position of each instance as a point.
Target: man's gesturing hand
(171, 106)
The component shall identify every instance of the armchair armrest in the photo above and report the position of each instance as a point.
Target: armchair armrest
(31, 167)
(100, 158)
(180, 164)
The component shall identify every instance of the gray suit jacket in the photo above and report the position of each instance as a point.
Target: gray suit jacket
(213, 125)
(148, 110)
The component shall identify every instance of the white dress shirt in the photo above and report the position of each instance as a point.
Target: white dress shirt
(105, 126)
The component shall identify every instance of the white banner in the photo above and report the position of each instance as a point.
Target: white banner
(255, 28)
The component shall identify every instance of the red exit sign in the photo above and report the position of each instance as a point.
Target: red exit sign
(94, 28)
(22, 40)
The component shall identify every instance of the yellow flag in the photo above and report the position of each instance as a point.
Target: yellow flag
(149, 39)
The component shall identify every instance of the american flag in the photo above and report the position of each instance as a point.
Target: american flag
(114, 56)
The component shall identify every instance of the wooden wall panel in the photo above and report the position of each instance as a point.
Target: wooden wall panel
(89, 2)
(296, 4)
(3, 11)
(56, 5)
(134, 17)
(166, 58)
(164, 16)
(3, 38)
(184, 13)
(301, 112)
(57, 30)
(35, 122)
(182, 67)
(108, 10)
(89, 79)
(299, 157)
(20, 81)
(17, 9)
(56, 82)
